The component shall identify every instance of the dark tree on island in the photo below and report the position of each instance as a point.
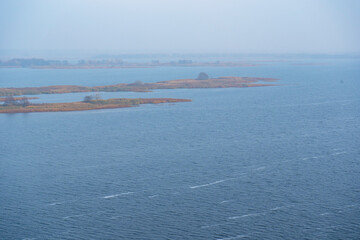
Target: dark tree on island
(202, 76)
(92, 98)
(11, 101)
(88, 98)
(24, 101)
(136, 83)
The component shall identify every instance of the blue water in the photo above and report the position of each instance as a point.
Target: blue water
(254, 163)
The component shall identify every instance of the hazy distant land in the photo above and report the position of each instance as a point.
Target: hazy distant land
(114, 63)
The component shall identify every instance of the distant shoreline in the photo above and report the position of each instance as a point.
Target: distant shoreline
(39, 63)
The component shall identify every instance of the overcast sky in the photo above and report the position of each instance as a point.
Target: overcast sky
(182, 26)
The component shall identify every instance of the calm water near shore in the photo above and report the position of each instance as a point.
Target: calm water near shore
(277, 162)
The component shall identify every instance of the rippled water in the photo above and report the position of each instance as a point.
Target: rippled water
(256, 163)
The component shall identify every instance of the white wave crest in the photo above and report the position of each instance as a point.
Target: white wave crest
(260, 168)
(307, 158)
(338, 153)
(212, 183)
(247, 215)
(117, 195)
(153, 196)
(234, 237)
(54, 203)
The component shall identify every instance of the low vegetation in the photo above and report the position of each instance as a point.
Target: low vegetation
(138, 86)
(88, 105)
(11, 101)
(21, 104)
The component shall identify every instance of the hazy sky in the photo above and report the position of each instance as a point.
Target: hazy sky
(182, 26)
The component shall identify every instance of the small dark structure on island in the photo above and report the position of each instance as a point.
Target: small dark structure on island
(202, 76)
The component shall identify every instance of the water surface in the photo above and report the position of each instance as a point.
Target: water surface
(253, 163)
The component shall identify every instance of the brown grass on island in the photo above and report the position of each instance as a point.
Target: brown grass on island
(3, 99)
(221, 82)
(90, 105)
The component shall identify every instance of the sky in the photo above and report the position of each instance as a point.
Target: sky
(181, 26)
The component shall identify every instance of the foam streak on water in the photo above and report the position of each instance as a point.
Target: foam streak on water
(234, 237)
(117, 195)
(212, 183)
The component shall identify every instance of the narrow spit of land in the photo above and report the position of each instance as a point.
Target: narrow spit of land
(21, 105)
(90, 105)
(3, 99)
(221, 82)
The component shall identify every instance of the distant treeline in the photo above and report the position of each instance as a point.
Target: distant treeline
(112, 63)
(40, 62)
(31, 62)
